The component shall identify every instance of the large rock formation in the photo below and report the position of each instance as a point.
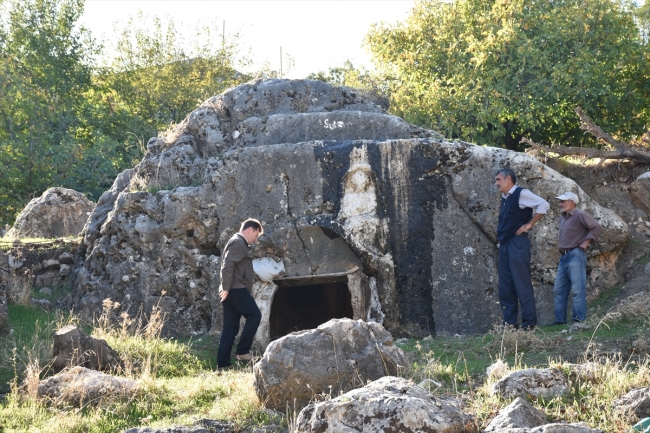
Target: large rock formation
(59, 212)
(370, 216)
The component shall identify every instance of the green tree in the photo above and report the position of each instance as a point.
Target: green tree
(157, 77)
(493, 71)
(44, 72)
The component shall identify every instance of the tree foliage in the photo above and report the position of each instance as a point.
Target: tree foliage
(493, 71)
(157, 77)
(64, 121)
(44, 73)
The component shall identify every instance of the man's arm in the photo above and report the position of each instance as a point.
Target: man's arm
(234, 253)
(595, 229)
(528, 199)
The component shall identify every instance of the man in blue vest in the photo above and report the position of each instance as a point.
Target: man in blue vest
(516, 218)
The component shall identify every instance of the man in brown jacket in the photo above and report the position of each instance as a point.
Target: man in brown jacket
(235, 294)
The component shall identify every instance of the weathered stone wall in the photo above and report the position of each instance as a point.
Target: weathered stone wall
(320, 166)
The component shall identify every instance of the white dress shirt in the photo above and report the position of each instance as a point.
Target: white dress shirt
(528, 199)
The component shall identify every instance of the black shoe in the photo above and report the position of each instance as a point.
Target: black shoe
(529, 328)
(558, 323)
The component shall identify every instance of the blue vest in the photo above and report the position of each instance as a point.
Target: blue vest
(511, 216)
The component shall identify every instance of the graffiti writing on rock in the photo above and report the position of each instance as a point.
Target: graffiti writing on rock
(334, 124)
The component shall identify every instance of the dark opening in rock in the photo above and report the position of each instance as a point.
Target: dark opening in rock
(298, 307)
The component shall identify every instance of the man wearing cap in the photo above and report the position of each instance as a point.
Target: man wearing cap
(577, 231)
(516, 218)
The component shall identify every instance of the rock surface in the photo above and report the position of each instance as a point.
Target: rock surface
(59, 212)
(73, 347)
(635, 403)
(517, 415)
(335, 357)
(338, 184)
(79, 386)
(640, 192)
(389, 404)
(201, 426)
(547, 382)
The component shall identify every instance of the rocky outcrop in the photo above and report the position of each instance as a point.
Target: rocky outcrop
(385, 405)
(635, 403)
(335, 357)
(338, 184)
(640, 192)
(517, 415)
(59, 212)
(72, 347)
(79, 386)
(546, 382)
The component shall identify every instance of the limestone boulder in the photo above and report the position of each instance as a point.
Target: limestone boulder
(59, 212)
(635, 403)
(73, 347)
(386, 405)
(640, 192)
(517, 415)
(79, 386)
(338, 184)
(546, 382)
(337, 356)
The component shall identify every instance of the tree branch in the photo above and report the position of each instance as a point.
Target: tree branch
(622, 149)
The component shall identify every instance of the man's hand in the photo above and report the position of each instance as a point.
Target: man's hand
(585, 244)
(524, 228)
(223, 294)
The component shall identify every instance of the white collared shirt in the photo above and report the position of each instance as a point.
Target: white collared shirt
(528, 199)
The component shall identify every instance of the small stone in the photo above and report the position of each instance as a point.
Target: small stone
(125, 278)
(45, 291)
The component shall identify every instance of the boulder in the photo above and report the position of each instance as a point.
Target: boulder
(547, 382)
(517, 415)
(635, 403)
(388, 404)
(79, 386)
(640, 192)
(337, 356)
(338, 183)
(59, 212)
(73, 347)
(201, 426)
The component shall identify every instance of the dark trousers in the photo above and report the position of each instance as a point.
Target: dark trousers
(238, 303)
(515, 286)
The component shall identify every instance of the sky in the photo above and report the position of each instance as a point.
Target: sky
(317, 34)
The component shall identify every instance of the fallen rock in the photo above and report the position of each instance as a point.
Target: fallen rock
(517, 415)
(337, 356)
(73, 347)
(390, 404)
(59, 212)
(79, 386)
(201, 426)
(547, 382)
(640, 192)
(635, 403)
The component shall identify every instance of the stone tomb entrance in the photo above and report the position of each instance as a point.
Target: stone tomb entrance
(305, 302)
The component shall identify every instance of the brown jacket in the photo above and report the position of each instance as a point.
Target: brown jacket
(236, 265)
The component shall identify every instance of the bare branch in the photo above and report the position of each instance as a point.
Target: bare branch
(622, 149)
(586, 124)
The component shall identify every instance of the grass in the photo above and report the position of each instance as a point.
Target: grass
(178, 384)
(7, 243)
